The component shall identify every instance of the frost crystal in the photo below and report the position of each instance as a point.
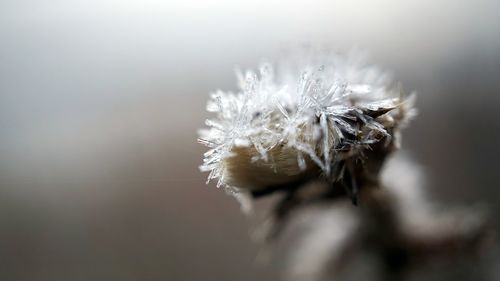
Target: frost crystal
(301, 120)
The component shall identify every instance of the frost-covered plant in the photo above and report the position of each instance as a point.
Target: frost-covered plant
(315, 116)
(318, 127)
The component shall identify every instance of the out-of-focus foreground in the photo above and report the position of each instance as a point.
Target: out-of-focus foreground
(100, 102)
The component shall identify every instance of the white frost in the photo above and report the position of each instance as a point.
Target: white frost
(306, 104)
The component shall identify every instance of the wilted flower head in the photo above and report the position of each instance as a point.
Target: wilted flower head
(319, 126)
(315, 116)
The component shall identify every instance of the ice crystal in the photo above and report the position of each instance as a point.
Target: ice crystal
(303, 118)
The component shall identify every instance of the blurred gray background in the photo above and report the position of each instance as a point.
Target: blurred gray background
(100, 102)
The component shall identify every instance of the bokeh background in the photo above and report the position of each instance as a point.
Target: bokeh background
(100, 101)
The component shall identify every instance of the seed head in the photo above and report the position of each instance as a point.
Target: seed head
(317, 116)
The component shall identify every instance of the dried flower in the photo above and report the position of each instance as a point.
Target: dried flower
(320, 118)
(321, 127)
